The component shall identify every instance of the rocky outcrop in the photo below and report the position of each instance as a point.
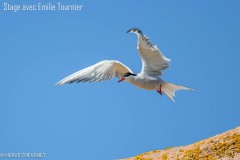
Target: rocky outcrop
(225, 146)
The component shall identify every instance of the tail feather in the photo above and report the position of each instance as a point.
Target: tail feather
(169, 89)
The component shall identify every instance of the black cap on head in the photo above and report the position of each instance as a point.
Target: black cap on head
(128, 74)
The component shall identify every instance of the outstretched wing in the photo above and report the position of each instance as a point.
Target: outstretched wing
(153, 61)
(104, 70)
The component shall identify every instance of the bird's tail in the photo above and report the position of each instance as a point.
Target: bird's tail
(169, 89)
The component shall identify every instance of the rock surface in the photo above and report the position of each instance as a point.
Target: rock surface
(225, 146)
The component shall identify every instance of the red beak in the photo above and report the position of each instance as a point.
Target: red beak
(120, 80)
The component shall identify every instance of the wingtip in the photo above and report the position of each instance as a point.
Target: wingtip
(191, 89)
(135, 30)
(131, 30)
(58, 84)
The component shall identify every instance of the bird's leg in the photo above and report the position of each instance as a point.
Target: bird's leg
(160, 90)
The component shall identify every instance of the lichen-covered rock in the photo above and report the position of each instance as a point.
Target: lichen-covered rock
(225, 146)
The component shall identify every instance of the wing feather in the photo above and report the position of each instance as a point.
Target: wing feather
(153, 61)
(104, 70)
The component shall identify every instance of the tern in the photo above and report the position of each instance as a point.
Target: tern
(153, 64)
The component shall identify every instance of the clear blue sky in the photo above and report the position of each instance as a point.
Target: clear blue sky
(104, 121)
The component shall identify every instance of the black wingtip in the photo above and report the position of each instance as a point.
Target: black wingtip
(132, 30)
(135, 30)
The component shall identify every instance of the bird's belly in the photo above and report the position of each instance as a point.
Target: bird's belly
(148, 85)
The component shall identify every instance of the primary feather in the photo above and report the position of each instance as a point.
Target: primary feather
(101, 71)
(153, 61)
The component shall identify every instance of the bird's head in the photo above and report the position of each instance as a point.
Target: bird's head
(135, 30)
(127, 76)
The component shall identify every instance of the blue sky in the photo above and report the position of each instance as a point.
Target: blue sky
(109, 120)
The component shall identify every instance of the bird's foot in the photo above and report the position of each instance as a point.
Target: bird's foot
(160, 90)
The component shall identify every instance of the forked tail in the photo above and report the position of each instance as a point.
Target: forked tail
(169, 89)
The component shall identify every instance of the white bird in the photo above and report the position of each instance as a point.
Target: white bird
(153, 63)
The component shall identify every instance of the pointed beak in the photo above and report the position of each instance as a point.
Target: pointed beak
(120, 80)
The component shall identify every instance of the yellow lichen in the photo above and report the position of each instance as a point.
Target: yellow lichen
(168, 148)
(156, 151)
(192, 154)
(181, 150)
(164, 157)
(141, 157)
(222, 146)
(227, 147)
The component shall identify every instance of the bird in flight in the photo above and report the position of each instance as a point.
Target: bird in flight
(153, 64)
